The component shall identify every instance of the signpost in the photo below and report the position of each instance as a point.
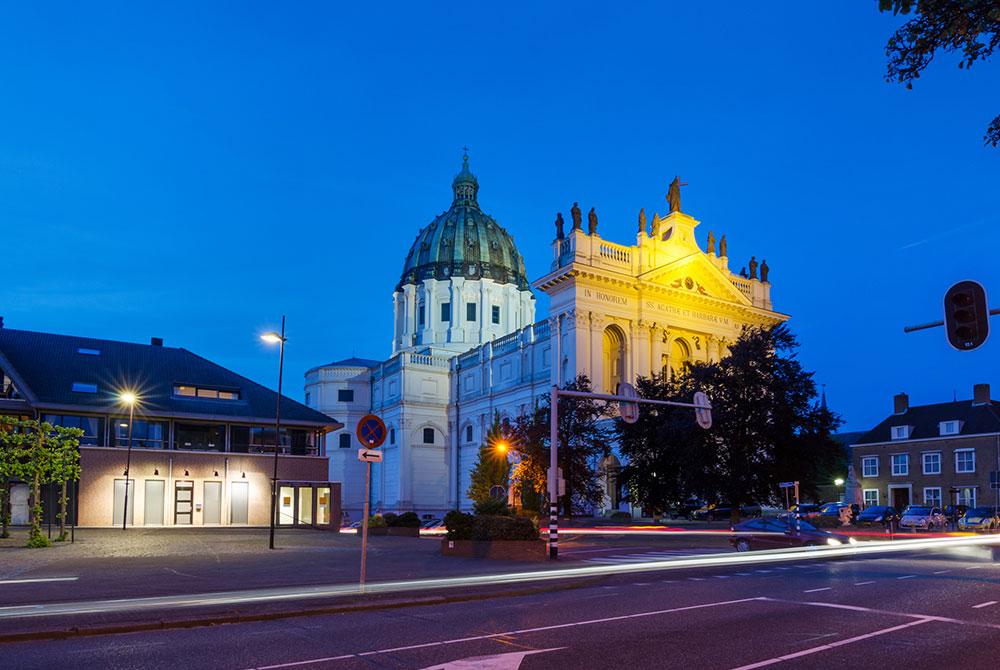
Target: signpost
(370, 431)
(629, 402)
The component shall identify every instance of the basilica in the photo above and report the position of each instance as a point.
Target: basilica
(466, 345)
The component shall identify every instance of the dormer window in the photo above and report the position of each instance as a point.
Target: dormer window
(84, 351)
(205, 392)
(81, 387)
(950, 427)
(901, 432)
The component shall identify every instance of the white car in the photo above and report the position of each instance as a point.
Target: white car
(923, 517)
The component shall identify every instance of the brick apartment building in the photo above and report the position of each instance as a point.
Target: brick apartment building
(935, 454)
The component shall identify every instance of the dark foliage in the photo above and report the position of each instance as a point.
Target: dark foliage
(404, 520)
(488, 528)
(491, 506)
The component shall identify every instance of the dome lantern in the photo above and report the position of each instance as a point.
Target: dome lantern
(465, 185)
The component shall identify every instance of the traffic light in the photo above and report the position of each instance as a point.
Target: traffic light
(966, 315)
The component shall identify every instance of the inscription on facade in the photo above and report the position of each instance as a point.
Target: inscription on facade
(605, 297)
(689, 313)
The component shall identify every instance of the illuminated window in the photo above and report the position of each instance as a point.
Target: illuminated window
(966, 496)
(428, 436)
(901, 432)
(950, 427)
(965, 460)
(869, 466)
(496, 314)
(92, 427)
(205, 392)
(932, 463)
(932, 496)
(900, 464)
(871, 497)
(186, 391)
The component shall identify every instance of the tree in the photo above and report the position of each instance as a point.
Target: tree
(583, 441)
(767, 427)
(64, 464)
(13, 455)
(971, 27)
(492, 468)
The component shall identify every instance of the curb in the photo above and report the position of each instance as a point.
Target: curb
(204, 621)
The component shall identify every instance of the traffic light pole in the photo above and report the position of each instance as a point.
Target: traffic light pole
(937, 324)
(703, 410)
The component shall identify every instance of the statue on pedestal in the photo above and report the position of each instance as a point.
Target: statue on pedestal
(559, 226)
(764, 270)
(577, 218)
(711, 243)
(642, 220)
(591, 222)
(723, 247)
(656, 224)
(674, 194)
(753, 267)
(743, 272)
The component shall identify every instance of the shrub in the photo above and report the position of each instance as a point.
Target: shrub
(405, 520)
(491, 507)
(825, 522)
(377, 521)
(493, 528)
(390, 518)
(620, 516)
(459, 525)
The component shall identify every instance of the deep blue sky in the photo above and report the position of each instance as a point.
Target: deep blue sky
(194, 172)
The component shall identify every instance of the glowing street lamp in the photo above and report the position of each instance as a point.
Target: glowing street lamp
(129, 398)
(839, 482)
(279, 339)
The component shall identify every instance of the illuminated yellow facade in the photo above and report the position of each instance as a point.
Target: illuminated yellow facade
(619, 312)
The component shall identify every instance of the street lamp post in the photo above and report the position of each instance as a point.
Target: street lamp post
(129, 398)
(839, 483)
(279, 339)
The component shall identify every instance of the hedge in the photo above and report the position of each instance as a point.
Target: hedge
(404, 520)
(488, 527)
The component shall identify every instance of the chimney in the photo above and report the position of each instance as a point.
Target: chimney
(900, 403)
(156, 341)
(980, 394)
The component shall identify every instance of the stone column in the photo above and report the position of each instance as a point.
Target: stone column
(668, 339)
(657, 354)
(596, 337)
(642, 355)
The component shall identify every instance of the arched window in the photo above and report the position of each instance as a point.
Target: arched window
(468, 433)
(680, 355)
(613, 358)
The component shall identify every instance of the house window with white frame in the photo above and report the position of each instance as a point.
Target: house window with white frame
(932, 462)
(900, 464)
(932, 496)
(966, 496)
(869, 466)
(900, 432)
(950, 427)
(871, 497)
(965, 460)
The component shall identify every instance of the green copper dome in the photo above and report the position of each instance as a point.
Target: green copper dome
(464, 242)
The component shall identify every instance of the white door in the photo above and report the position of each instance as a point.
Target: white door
(212, 509)
(119, 502)
(19, 504)
(239, 498)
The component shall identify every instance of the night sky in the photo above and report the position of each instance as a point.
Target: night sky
(195, 172)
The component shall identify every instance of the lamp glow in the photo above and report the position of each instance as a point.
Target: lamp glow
(128, 397)
(838, 482)
(272, 338)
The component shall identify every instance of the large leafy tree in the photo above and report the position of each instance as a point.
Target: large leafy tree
(492, 467)
(767, 427)
(970, 28)
(583, 442)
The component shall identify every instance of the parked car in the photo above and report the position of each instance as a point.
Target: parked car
(802, 511)
(427, 524)
(955, 512)
(832, 509)
(981, 520)
(757, 534)
(923, 517)
(879, 514)
(685, 510)
(756, 510)
(713, 512)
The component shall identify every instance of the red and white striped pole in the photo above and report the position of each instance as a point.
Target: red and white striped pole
(554, 474)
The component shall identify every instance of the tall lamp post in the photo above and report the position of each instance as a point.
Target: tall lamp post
(279, 339)
(128, 398)
(839, 483)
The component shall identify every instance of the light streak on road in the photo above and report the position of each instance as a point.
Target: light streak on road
(293, 593)
(36, 580)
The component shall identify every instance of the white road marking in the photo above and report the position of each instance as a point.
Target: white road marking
(825, 588)
(743, 574)
(872, 610)
(764, 572)
(832, 645)
(722, 576)
(522, 631)
(509, 661)
(863, 583)
(906, 577)
(36, 580)
(697, 579)
(941, 572)
(985, 604)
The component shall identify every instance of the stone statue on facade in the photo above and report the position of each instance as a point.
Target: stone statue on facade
(642, 220)
(560, 234)
(764, 270)
(711, 243)
(656, 224)
(577, 218)
(723, 247)
(743, 272)
(753, 267)
(674, 194)
(591, 222)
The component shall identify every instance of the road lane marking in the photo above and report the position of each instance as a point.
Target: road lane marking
(825, 588)
(697, 579)
(37, 580)
(489, 636)
(722, 576)
(863, 583)
(743, 574)
(872, 610)
(906, 577)
(941, 572)
(832, 645)
(985, 604)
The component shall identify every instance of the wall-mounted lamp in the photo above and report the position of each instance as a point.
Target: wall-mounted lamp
(123, 425)
(186, 474)
(156, 471)
(244, 475)
(125, 474)
(216, 473)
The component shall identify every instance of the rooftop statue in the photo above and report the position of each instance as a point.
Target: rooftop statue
(711, 243)
(723, 247)
(591, 222)
(743, 272)
(560, 234)
(656, 224)
(642, 220)
(764, 270)
(577, 218)
(753, 267)
(674, 194)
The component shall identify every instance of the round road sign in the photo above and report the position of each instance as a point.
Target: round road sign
(628, 410)
(371, 431)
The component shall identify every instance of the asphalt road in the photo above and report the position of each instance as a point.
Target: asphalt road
(925, 611)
